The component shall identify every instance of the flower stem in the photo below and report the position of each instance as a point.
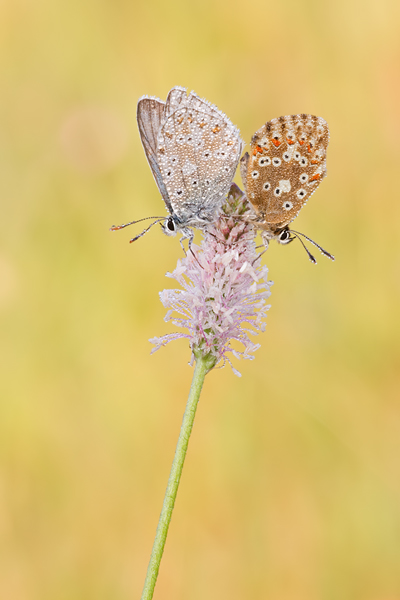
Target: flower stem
(203, 366)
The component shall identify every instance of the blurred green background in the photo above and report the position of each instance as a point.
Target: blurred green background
(291, 489)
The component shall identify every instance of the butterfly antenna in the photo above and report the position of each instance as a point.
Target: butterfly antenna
(158, 220)
(310, 256)
(116, 227)
(315, 244)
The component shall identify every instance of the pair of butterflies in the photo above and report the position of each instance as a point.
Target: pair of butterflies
(193, 150)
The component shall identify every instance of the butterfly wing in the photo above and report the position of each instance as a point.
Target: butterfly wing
(286, 165)
(198, 149)
(244, 162)
(150, 113)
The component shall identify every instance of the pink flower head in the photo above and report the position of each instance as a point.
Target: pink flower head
(224, 288)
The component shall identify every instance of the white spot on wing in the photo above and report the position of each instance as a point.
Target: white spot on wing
(285, 186)
(188, 168)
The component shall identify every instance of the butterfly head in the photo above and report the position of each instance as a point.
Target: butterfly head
(173, 225)
(284, 236)
(169, 226)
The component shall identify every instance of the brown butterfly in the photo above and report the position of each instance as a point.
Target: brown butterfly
(286, 164)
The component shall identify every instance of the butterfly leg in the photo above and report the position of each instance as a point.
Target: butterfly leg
(260, 255)
(189, 235)
(264, 245)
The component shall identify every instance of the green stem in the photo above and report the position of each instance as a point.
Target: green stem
(203, 366)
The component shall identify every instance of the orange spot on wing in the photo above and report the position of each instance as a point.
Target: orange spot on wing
(301, 142)
(257, 150)
(289, 141)
(315, 162)
(309, 147)
(315, 177)
(276, 143)
(216, 129)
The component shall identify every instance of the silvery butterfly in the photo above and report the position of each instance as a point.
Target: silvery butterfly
(193, 151)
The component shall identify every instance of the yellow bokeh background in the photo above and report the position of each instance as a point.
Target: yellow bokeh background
(291, 488)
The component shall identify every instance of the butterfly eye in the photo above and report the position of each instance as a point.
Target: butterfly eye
(284, 237)
(264, 161)
(301, 193)
(287, 205)
(266, 186)
(255, 174)
(286, 156)
(170, 224)
(276, 162)
(304, 162)
(277, 192)
(303, 177)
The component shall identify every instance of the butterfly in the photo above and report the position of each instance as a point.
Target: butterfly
(286, 164)
(193, 151)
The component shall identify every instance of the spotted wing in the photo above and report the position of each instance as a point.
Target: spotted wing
(286, 165)
(244, 162)
(198, 151)
(150, 112)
